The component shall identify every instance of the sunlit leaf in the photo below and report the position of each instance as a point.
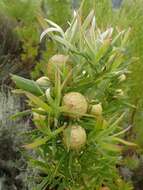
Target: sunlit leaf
(56, 26)
(46, 31)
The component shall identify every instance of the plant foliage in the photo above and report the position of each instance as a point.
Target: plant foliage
(98, 57)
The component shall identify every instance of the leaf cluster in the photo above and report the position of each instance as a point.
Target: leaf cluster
(98, 58)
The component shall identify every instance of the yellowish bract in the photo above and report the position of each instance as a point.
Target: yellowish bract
(58, 63)
(43, 81)
(74, 137)
(96, 109)
(75, 104)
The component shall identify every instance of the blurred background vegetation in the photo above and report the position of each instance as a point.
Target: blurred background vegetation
(21, 23)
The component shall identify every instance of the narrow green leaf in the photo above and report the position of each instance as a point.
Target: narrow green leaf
(57, 88)
(126, 37)
(43, 184)
(111, 147)
(27, 85)
(118, 120)
(90, 46)
(18, 91)
(63, 42)
(40, 141)
(122, 132)
(20, 114)
(36, 143)
(117, 37)
(56, 26)
(103, 49)
(47, 31)
(37, 101)
(124, 141)
(40, 164)
(118, 61)
(88, 20)
(73, 32)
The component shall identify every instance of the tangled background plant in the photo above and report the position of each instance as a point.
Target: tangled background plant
(76, 149)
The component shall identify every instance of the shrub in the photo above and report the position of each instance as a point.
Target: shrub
(98, 59)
